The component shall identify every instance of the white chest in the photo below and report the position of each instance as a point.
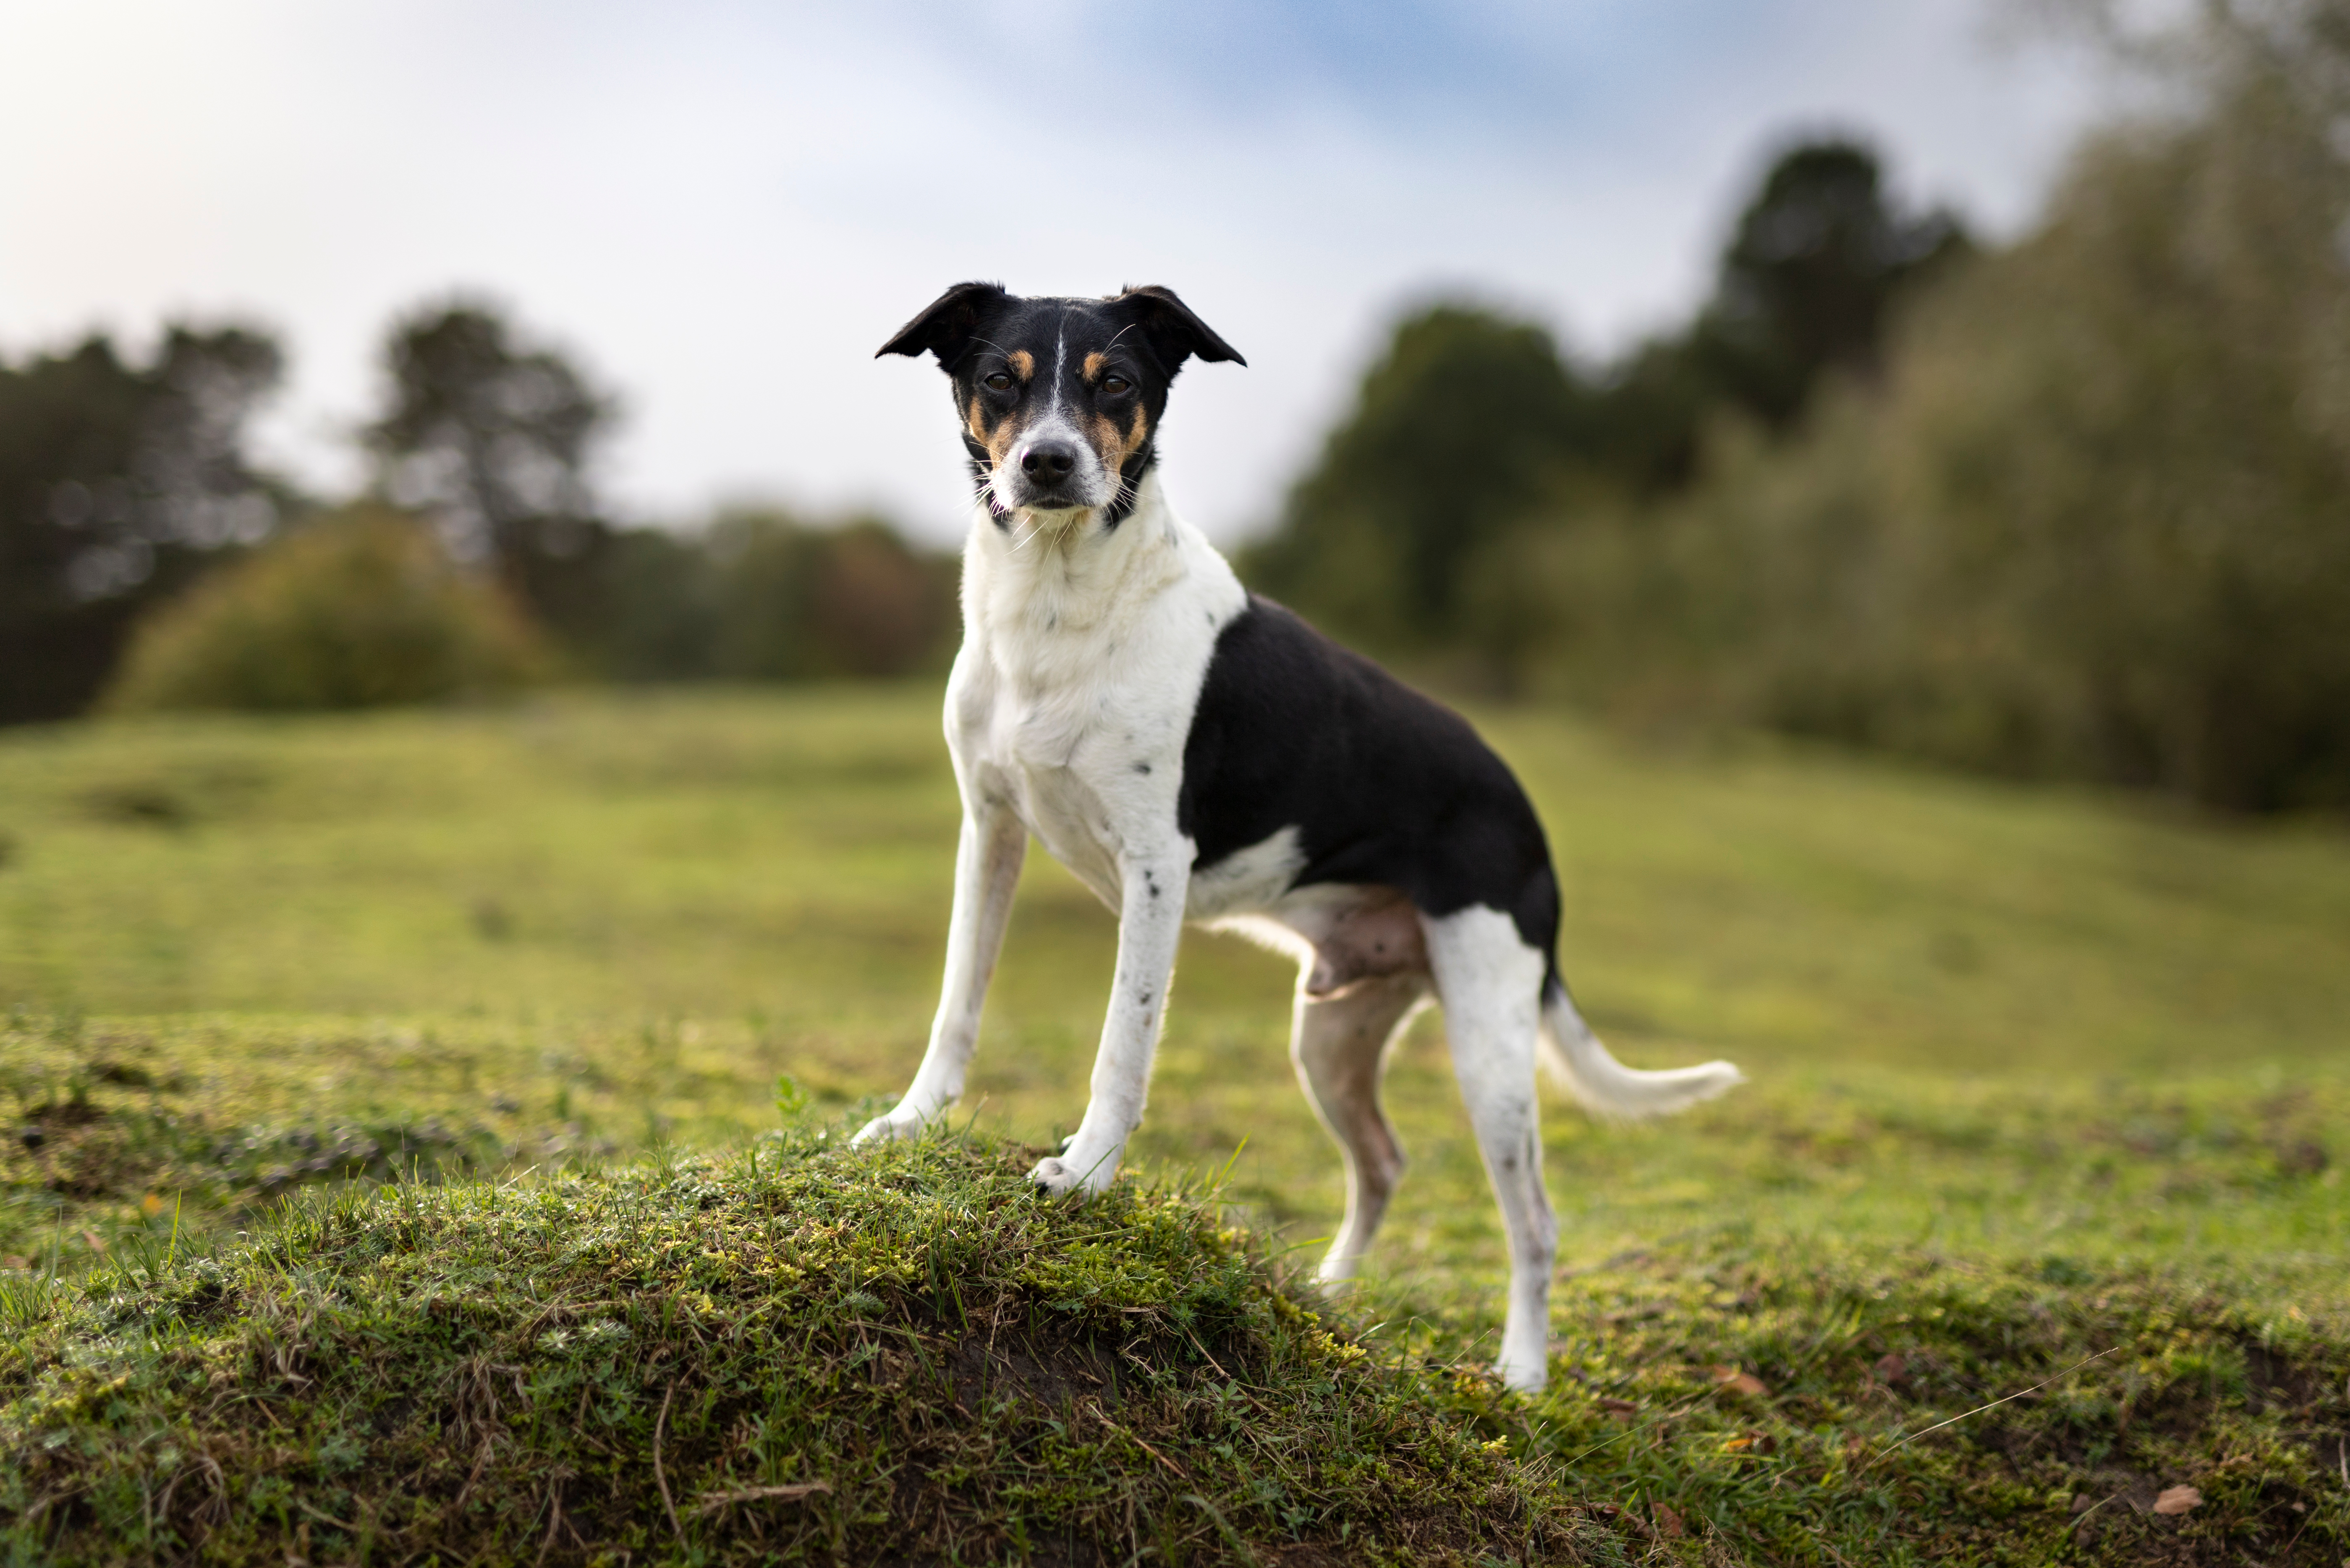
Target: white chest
(1048, 755)
(1081, 666)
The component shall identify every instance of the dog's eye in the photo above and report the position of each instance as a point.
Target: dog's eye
(999, 383)
(1114, 385)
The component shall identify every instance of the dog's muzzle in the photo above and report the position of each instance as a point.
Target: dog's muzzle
(1049, 473)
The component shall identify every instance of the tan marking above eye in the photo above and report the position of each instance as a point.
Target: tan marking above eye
(1022, 363)
(1094, 363)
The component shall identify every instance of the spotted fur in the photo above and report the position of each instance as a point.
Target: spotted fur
(1192, 752)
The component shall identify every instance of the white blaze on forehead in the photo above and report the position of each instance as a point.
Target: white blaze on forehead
(1060, 356)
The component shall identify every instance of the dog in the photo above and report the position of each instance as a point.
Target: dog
(1192, 752)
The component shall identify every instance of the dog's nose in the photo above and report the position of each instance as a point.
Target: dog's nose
(1049, 462)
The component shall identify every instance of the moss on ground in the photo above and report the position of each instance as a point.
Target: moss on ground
(794, 1353)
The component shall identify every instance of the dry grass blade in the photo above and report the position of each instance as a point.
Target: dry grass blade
(711, 1502)
(1996, 1403)
(1138, 1443)
(660, 1424)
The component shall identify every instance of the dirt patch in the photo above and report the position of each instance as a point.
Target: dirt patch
(1055, 1376)
(140, 805)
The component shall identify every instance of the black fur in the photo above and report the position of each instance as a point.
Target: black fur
(1384, 786)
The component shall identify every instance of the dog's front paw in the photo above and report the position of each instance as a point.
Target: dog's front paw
(1062, 1176)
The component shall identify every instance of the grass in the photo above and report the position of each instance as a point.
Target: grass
(897, 1357)
(2038, 1075)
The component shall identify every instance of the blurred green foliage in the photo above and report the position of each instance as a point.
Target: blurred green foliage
(1472, 426)
(2094, 522)
(128, 499)
(758, 594)
(362, 608)
(117, 483)
(1465, 426)
(495, 435)
(2079, 507)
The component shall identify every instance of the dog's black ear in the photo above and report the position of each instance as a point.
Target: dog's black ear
(945, 327)
(1174, 332)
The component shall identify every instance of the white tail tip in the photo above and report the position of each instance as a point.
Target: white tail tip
(1605, 1087)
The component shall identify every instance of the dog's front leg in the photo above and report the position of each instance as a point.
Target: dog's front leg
(1150, 925)
(987, 871)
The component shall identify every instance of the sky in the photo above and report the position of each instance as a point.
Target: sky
(721, 210)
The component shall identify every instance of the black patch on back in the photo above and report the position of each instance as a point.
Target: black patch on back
(1384, 786)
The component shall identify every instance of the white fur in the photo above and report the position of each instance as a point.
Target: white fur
(1246, 880)
(1489, 982)
(1605, 1087)
(1084, 651)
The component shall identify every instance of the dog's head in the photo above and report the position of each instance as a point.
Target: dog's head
(1059, 398)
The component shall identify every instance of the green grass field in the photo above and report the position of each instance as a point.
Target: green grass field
(2035, 1074)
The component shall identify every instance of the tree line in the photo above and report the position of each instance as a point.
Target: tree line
(2074, 507)
(480, 555)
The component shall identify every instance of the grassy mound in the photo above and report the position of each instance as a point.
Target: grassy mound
(790, 1352)
(793, 1353)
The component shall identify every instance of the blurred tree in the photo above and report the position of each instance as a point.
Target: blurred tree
(1806, 286)
(662, 608)
(1817, 258)
(1472, 428)
(1466, 425)
(496, 438)
(116, 483)
(797, 602)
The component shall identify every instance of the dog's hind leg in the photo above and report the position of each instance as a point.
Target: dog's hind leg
(1490, 983)
(1339, 1044)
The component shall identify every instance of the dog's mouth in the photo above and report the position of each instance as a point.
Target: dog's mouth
(1012, 492)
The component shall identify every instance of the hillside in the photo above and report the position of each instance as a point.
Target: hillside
(313, 1025)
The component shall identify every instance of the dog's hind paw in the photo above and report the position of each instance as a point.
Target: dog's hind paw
(883, 1129)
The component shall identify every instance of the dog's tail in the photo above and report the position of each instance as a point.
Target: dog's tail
(1605, 1087)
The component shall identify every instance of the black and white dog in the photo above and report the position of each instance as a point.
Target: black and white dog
(1194, 753)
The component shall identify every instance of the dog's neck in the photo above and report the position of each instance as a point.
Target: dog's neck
(1062, 575)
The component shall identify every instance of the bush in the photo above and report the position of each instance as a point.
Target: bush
(797, 603)
(361, 608)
